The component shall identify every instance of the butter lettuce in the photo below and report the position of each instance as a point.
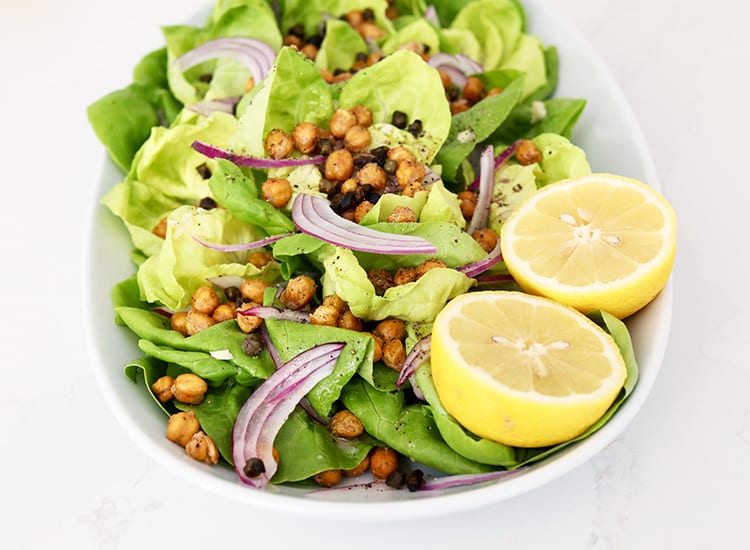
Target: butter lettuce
(182, 265)
(417, 31)
(309, 13)
(561, 159)
(497, 25)
(340, 46)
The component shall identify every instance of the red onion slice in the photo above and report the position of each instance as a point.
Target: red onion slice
(431, 15)
(501, 159)
(271, 312)
(254, 54)
(465, 479)
(416, 356)
(490, 279)
(486, 187)
(269, 406)
(213, 152)
(243, 246)
(210, 106)
(458, 66)
(314, 216)
(475, 268)
(225, 281)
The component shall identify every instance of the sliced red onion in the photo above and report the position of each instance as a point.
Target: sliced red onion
(458, 66)
(415, 388)
(475, 268)
(243, 246)
(225, 281)
(501, 159)
(459, 480)
(210, 106)
(254, 54)
(486, 188)
(430, 176)
(416, 356)
(489, 279)
(269, 406)
(313, 215)
(213, 152)
(431, 15)
(271, 312)
(163, 311)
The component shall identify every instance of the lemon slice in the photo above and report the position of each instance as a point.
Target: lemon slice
(598, 242)
(523, 370)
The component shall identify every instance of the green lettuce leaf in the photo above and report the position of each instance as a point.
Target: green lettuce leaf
(498, 26)
(561, 159)
(340, 46)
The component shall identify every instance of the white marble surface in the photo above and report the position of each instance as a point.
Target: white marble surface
(678, 477)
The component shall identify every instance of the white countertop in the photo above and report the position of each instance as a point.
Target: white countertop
(678, 477)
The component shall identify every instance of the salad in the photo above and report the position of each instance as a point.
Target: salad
(306, 185)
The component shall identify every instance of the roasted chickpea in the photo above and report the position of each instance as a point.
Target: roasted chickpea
(341, 122)
(402, 214)
(354, 17)
(310, 50)
(204, 300)
(370, 31)
(359, 469)
(339, 165)
(487, 238)
(427, 265)
(253, 290)
(391, 329)
(349, 186)
(328, 478)
(292, 40)
(381, 279)
(528, 153)
(178, 322)
(349, 321)
(409, 172)
(459, 106)
(400, 154)
(202, 448)
(362, 114)
(278, 144)
(383, 462)
(445, 78)
(468, 202)
(377, 347)
(394, 354)
(195, 321)
(372, 174)
(182, 426)
(405, 275)
(189, 388)
(224, 312)
(305, 137)
(325, 315)
(162, 388)
(260, 258)
(494, 91)
(336, 302)
(327, 75)
(473, 89)
(341, 77)
(357, 138)
(361, 210)
(248, 323)
(299, 292)
(277, 191)
(161, 229)
(346, 424)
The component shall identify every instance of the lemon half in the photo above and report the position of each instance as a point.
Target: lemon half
(523, 370)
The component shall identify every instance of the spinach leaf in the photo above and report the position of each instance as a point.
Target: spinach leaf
(213, 371)
(151, 369)
(407, 429)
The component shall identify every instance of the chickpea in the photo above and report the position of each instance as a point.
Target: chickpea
(459, 106)
(278, 144)
(182, 426)
(195, 321)
(468, 202)
(374, 58)
(328, 478)
(341, 122)
(372, 174)
(178, 322)
(277, 191)
(162, 388)
(362, 210)
(391, 13)
(349, 186)
(445, 78)
(354, 17)
(412, 188)
(487, 239)
(405, 275)
(339, 165)
(391, 329)
(359, 469)
(402, 214)
(370, 31)
(336, 302)
(260, 258)
(202, 448)
(189, 388)
(528, 153)
(357, 138)
(400, 154)
(310, 50)
(409, 172)
(248, 323)
(292, 40)
(473, 89)
(299, 292)
(494, 91)
(350, 321)
(161, 229)
(362, 114)
(253, 290)
(381, 279)
(377, 347)
(325, 315)
(327, 75)
(427, 265)
(346, 424)
(394, 354)
(224, 312)
(341, 77)
(249, 84)
(383, 462)
(305, 137)
(204, 300)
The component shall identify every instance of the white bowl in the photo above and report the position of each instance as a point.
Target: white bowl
(610, 135)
